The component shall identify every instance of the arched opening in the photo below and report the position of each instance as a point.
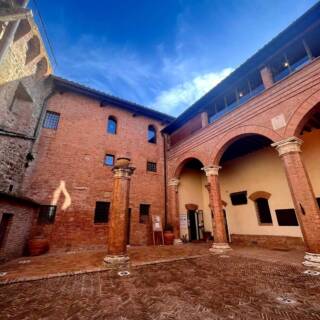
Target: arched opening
(33, 49)
(152, 134)
(112, 125)
(194, 210)
(253, 183)
(308, 130)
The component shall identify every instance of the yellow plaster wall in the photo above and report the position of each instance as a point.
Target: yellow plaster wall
(192, 190)
(258, 171)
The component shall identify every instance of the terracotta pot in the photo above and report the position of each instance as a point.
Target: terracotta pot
(168, 237)
(38, 246)
(122, 162)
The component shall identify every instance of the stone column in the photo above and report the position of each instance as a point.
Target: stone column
(118, 222)
(304, 200)
(174, 218)
(220, 243)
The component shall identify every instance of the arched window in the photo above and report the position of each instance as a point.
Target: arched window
(263, 211)
(152, 134)
(112, 125)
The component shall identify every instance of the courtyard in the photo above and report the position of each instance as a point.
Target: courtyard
(245, 283)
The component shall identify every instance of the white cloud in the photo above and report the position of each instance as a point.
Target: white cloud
(176, 99)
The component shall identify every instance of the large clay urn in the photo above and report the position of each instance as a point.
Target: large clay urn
(38, 245)
(122, 162)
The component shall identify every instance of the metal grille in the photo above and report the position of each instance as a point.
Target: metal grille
(51, 120)
(151, 166)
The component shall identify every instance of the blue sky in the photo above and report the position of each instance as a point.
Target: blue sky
(163, 54)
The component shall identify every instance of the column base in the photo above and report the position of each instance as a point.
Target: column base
(219, 247)
(116, 259)
(312, 260)
(177, 241)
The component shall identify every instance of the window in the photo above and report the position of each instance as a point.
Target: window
(263, 211)
(152, 135)
(101, 213)
(47, 214)
(144, 213)
(51, 120)
(238, 198)
(287, 217)
(112, 125)
(151, 166)
(109, 160)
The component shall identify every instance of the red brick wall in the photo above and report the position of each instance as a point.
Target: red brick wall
(269, 242)
(18, 229)
(186, 130)
(74, 154)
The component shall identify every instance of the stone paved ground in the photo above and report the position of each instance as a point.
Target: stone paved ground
(208, 287)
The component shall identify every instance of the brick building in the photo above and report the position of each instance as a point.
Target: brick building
(240, 164)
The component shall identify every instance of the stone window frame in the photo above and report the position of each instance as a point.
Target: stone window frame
(265, 195)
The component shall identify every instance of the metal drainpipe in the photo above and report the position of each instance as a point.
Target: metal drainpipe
(165, 177)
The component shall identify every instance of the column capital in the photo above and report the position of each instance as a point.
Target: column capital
(289, 145)
(173, 182)
(211, 170)
(123, 172)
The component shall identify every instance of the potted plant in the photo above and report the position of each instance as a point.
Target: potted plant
(38, 244)
(168, 234)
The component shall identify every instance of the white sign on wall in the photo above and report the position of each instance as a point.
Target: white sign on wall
(184, 225)
(278, 122)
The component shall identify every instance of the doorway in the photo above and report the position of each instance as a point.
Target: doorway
(128, 226)
(4, 228)
(195, 225)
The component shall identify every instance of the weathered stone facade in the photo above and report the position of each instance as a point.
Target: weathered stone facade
(24, 66)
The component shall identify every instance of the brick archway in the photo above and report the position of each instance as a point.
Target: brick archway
(236, 134)
(299, 116)
(177, 170)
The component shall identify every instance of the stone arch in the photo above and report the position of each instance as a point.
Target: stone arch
(177, 170)
(299, 116)
(33, 49)
(237, 133)
(259, 194)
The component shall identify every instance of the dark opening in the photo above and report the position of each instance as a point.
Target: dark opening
(318, 201)
(245, 145)
(128, 225)
(101, 213)
(192, 225)
(47, 214)
(151, 166)
(144, 213)
(287, 217)
(239, 198)
(4, 227)
(263, 209)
